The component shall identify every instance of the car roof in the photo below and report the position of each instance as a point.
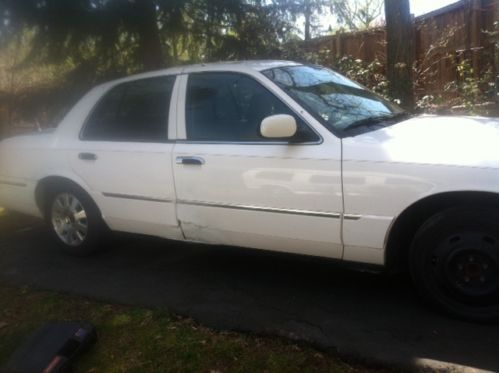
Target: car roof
(255, 65)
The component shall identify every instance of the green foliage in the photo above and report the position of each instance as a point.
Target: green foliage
(57, 49)
(115, 37)
(471, 89)
(23, 88)
(51, 51)
(295, 50)
(369, 74)
(357, 14)
(309, 10)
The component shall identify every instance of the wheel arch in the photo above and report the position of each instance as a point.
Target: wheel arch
(407, 223)
(48, 183)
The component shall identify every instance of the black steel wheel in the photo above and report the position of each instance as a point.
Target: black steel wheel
(454, 261)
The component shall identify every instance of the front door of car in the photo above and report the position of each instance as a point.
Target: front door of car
(124, 156)
(235, 187)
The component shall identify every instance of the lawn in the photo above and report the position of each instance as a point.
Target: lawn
(139, 339)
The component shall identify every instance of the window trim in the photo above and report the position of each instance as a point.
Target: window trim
(173, 102)
(183, 106)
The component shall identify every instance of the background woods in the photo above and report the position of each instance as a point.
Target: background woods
(455, 57)
(51, 51)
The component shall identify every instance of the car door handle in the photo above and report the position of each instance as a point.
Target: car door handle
(87, 156)
(190, 160)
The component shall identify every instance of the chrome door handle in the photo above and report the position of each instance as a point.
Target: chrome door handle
(191, 160)
(87, 156)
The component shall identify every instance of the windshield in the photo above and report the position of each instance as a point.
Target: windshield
(338, 102)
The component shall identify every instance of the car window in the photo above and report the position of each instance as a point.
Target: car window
(339, 103)
(231, 107)
(134, 111)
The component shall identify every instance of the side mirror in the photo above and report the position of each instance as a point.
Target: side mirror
(278, 126)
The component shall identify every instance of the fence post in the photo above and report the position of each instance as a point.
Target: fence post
(339, 49)
(489, 13)
(332, 51)
(475, 34)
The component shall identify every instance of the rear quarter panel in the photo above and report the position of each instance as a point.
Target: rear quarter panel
(24, 160)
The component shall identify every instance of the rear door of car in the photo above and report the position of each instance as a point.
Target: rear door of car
(124, 155)
(235, 187)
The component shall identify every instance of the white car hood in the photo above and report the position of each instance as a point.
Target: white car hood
(452, 140)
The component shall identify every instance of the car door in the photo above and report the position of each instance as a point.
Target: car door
(235, 187)
(124, 155)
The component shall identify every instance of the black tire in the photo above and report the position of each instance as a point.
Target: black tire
(454, 262)
(76, 243)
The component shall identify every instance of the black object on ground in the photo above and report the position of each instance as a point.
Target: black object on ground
(52, 348)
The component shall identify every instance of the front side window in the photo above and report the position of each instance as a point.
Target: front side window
(231, 107)
(134, 111)
(339, 103)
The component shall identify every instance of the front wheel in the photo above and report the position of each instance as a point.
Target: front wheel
(75, 221)
(454, 261)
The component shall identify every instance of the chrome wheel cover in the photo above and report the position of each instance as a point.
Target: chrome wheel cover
(69, 219)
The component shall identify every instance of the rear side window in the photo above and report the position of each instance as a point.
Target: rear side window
(135, 111)
(230, 107)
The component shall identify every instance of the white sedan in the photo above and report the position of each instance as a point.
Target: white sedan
(272, 155)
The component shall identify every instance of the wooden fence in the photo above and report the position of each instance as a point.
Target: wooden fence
(442, 39)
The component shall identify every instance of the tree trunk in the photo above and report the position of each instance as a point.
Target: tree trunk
(400, 51)
(150, 51)
(308, 15)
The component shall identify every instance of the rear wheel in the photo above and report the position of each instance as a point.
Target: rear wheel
(75, 221)
(454, 262)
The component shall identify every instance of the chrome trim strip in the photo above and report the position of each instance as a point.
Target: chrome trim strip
(13, 183)
(136, 197)
(323, 214)
(212, 142)
(351, 217)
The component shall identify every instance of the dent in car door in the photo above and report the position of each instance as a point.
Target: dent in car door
(244, 190)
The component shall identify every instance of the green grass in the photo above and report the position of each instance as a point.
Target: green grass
(142, 340)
